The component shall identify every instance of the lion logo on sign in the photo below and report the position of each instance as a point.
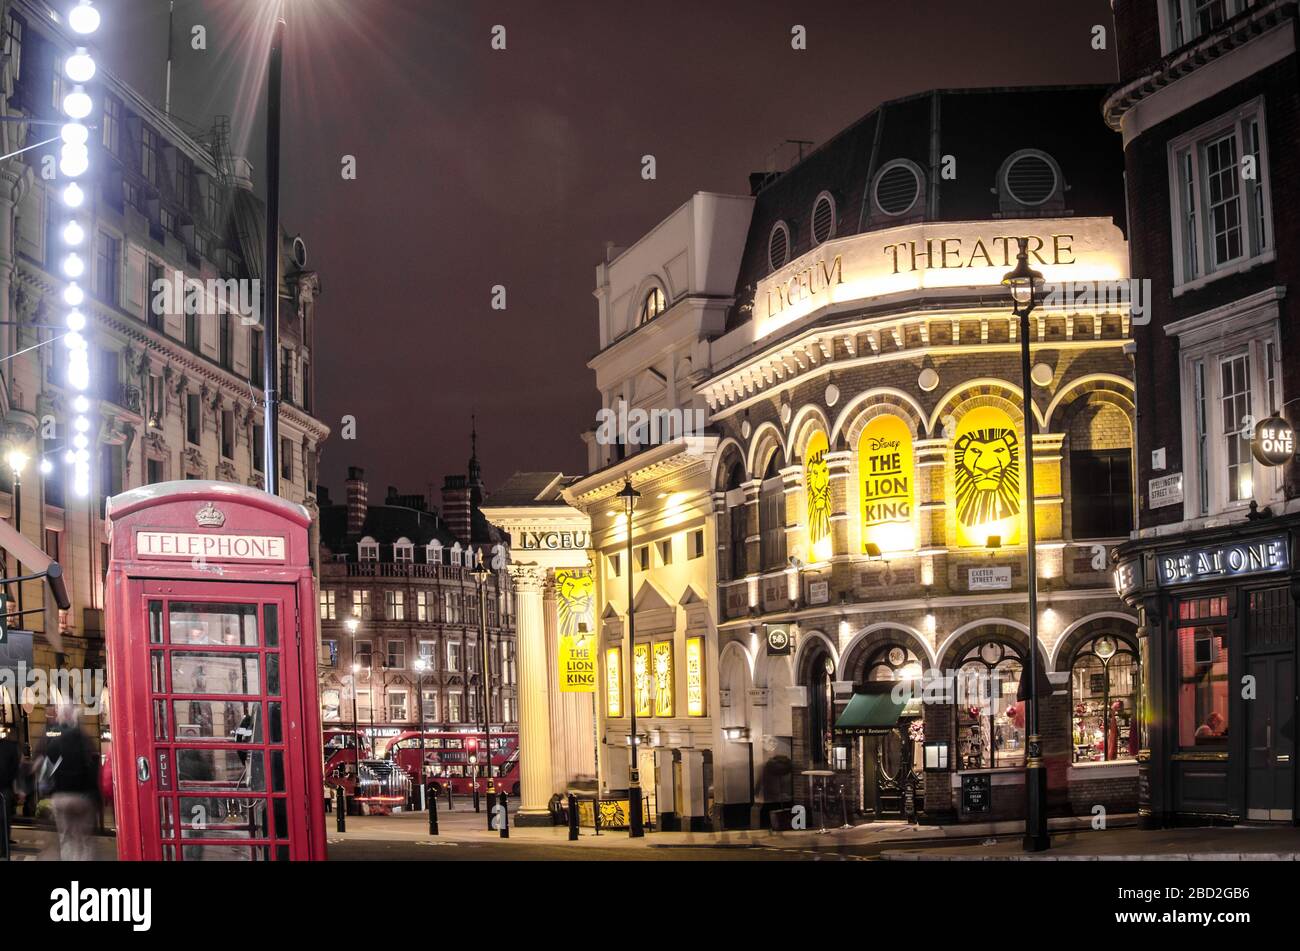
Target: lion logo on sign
(987, 464)
(819, 497)
(573, 594)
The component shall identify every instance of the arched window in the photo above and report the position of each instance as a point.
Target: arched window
(1103, 698)
(821, 708)
(737, 512)
(651, 306)
(771, 515)
(990, 721)
(367, 549)
(892, 663)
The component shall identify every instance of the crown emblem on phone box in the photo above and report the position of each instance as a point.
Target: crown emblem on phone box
(210, 516)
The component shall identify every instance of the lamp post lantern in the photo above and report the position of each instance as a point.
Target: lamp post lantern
(1024, 283)
(635, 829)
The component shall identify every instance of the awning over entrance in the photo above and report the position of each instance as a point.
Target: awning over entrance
(873, 714)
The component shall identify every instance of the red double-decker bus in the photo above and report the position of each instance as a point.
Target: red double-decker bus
(456, 759)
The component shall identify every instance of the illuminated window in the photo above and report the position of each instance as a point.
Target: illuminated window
(1103, 698)
(327, 606)
(422, 605)
(614, 682)
(1203, 707)
(662, 675)
(990, 721)
(652, 305)
(361, 604)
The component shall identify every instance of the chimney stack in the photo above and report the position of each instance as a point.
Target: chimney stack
(456, 507)
(356, 499)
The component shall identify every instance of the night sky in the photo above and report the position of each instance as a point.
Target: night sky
(478, 167)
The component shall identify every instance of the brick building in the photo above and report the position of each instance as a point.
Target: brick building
(1209, 108)
(867, 486)
(402, 570)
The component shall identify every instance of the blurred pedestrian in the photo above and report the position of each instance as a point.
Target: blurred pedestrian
(10, 757)
(71, 769)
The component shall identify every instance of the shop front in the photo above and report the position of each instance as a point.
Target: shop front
(1218, 653)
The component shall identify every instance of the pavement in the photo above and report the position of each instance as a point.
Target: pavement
(1242, 843)
(464, 836)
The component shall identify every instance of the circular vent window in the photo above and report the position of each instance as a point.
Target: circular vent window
(897, 189)
(778, 246)
(823, 218)
(1031, 179)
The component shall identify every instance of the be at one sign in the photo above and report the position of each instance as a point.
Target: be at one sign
(1274, 442)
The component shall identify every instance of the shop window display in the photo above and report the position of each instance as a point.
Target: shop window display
(1203, 673)
(990, 721)
(1103, 697)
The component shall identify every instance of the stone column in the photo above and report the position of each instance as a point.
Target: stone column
(534, 709)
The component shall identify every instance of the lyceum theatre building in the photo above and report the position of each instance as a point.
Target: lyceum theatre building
(868, 479)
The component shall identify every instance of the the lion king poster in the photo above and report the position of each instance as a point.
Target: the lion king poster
(817, 486)
(988, 479)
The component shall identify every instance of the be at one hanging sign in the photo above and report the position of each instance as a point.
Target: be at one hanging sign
(1274, 441)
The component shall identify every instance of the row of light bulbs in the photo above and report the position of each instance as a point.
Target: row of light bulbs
(74, 162)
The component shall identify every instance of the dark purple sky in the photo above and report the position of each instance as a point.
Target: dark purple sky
(479, 167)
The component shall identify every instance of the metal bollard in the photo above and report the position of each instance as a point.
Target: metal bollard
(341, 820)
(476, 799)
(433, 815)
(595, 813)
(450, 807)
(505, 815)
(573, 818)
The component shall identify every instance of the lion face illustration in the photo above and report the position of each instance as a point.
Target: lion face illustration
(819, 497)
(987, 463)
(573, 594)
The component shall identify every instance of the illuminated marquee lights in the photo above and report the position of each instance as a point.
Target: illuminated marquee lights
(74, 162)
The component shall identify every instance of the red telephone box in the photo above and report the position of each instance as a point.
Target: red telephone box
(212, 665)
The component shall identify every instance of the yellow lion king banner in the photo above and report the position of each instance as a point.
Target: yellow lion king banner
(987, 478)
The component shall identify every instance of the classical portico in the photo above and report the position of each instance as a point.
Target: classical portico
(554, 594)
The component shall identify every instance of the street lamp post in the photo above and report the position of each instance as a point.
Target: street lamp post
(481, 572)
(352, 624)
(635, 829)
(271, 269)
(1024, 283)
(420, 666)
